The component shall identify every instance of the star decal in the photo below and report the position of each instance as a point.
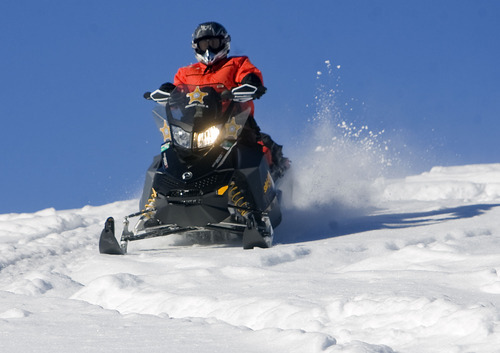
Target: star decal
(196, 96)
(233, 128)
(165, 130)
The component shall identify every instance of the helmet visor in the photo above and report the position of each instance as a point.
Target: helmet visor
(212, 43)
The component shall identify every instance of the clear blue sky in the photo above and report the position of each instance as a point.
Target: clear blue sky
(76, 131)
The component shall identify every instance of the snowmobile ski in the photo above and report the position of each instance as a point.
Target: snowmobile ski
(108, 243)
(253, 239)
(258, 236)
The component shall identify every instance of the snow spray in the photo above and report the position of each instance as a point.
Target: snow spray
(335, 168)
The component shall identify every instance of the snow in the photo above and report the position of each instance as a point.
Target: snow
(413, 268)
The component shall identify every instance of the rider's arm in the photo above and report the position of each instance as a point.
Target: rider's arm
(249, 74)
(180, 77)
(246, 68)
(252, 79)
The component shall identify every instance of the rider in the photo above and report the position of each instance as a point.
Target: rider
(211, 44)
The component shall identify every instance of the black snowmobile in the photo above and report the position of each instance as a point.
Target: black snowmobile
(208, 180)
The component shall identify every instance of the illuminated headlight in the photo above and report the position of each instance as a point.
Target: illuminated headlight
(206, 138)
(181, 137)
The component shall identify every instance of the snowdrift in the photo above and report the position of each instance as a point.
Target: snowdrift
(415, 270)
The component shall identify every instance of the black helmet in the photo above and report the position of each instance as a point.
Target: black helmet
(215, 42)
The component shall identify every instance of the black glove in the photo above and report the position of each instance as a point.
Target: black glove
(254, 80)
(167, 87)
(260, 92)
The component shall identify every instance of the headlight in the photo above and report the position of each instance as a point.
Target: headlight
(181, 137)
(206, 138)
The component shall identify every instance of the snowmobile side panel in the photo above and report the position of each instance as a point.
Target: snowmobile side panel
(255, 170)
(107, 242)
(274, 212)
(148, 181)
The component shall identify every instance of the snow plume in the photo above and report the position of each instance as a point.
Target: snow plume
(334, 169)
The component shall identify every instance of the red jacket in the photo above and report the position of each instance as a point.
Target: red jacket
(229, 71)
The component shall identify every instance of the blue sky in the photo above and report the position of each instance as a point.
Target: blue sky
(76, 130)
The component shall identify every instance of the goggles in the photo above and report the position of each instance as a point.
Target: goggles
(209, 42)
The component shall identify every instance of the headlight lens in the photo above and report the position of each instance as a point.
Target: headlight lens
(206, 138)
(201, 140)
(181, 137)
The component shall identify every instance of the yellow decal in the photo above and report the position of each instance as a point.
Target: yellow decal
(232, 128)
(267, 183)
(196, 96)
(165, 130)
(222, 190)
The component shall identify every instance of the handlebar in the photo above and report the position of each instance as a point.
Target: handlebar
(243, 93)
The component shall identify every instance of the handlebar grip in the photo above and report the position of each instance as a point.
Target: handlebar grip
(227, 95)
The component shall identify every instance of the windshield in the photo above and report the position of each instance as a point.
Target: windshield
(197, 106)
(196, 117)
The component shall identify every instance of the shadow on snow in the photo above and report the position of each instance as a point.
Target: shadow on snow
(300, 226)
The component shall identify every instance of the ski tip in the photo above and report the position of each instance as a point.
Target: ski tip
(107, 242)
(110, 224)
(253, 239)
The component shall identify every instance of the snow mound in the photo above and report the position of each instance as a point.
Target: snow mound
(473, 183)
(418, 273)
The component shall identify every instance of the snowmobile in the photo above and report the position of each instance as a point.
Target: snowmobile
(208, 180)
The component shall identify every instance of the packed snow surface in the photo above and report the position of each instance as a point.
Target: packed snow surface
(413, 270)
